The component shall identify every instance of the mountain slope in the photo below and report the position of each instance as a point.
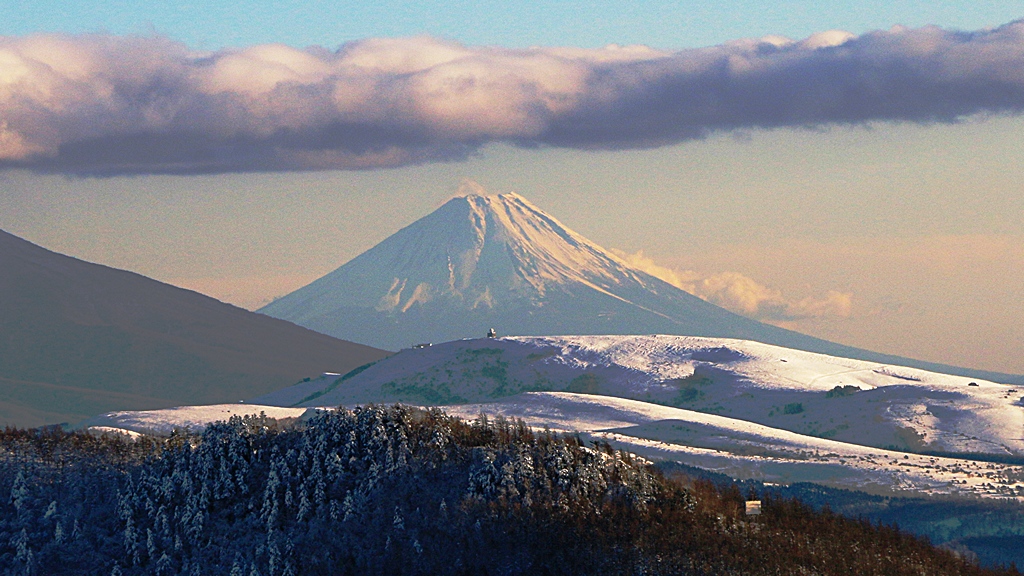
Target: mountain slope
(78, 338)
(853, 401)
(741, 408)
(498, 261)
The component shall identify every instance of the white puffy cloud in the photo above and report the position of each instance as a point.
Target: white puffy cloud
(744, 295)
(99, 104)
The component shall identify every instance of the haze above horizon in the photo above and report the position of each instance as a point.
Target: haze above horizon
(883, 223)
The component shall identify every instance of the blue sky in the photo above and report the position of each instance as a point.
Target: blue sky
(592, 23)
(897, 227)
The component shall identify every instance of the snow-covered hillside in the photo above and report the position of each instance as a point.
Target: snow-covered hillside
(813, 394)
(744, 450)
(734, 447)
(747, 409)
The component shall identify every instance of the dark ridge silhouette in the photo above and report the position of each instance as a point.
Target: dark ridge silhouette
(78, 339)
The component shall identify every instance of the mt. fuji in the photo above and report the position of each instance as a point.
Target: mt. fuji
(482, 261)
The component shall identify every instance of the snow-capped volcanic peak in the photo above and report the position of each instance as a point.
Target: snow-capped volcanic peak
(477, 249)
(484, 261)
(515, 239)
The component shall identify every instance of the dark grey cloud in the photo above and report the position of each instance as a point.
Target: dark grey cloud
(113, 105)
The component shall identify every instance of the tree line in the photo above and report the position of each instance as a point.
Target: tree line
(397, 490)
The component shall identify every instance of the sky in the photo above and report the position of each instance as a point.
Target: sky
(848, 170)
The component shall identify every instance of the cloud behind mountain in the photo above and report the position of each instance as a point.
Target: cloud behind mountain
(102, 105)
(743, 295)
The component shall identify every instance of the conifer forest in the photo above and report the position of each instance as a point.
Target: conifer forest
(399, 490)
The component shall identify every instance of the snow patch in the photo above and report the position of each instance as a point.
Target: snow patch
(811, 394)
(188, 418)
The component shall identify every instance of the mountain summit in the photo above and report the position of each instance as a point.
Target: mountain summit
(482, 261)
(475, 252)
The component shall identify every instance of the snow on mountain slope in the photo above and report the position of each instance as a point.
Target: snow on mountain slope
(853, 401)
(482, 261)
(475, 251)
(744, 450)
(735, 447)
(742, 408)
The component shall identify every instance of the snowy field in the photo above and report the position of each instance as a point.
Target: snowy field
(746, 450)
(742, 408)
(190, 418)
(812, 394)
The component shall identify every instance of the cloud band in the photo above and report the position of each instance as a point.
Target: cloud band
(100, 105)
